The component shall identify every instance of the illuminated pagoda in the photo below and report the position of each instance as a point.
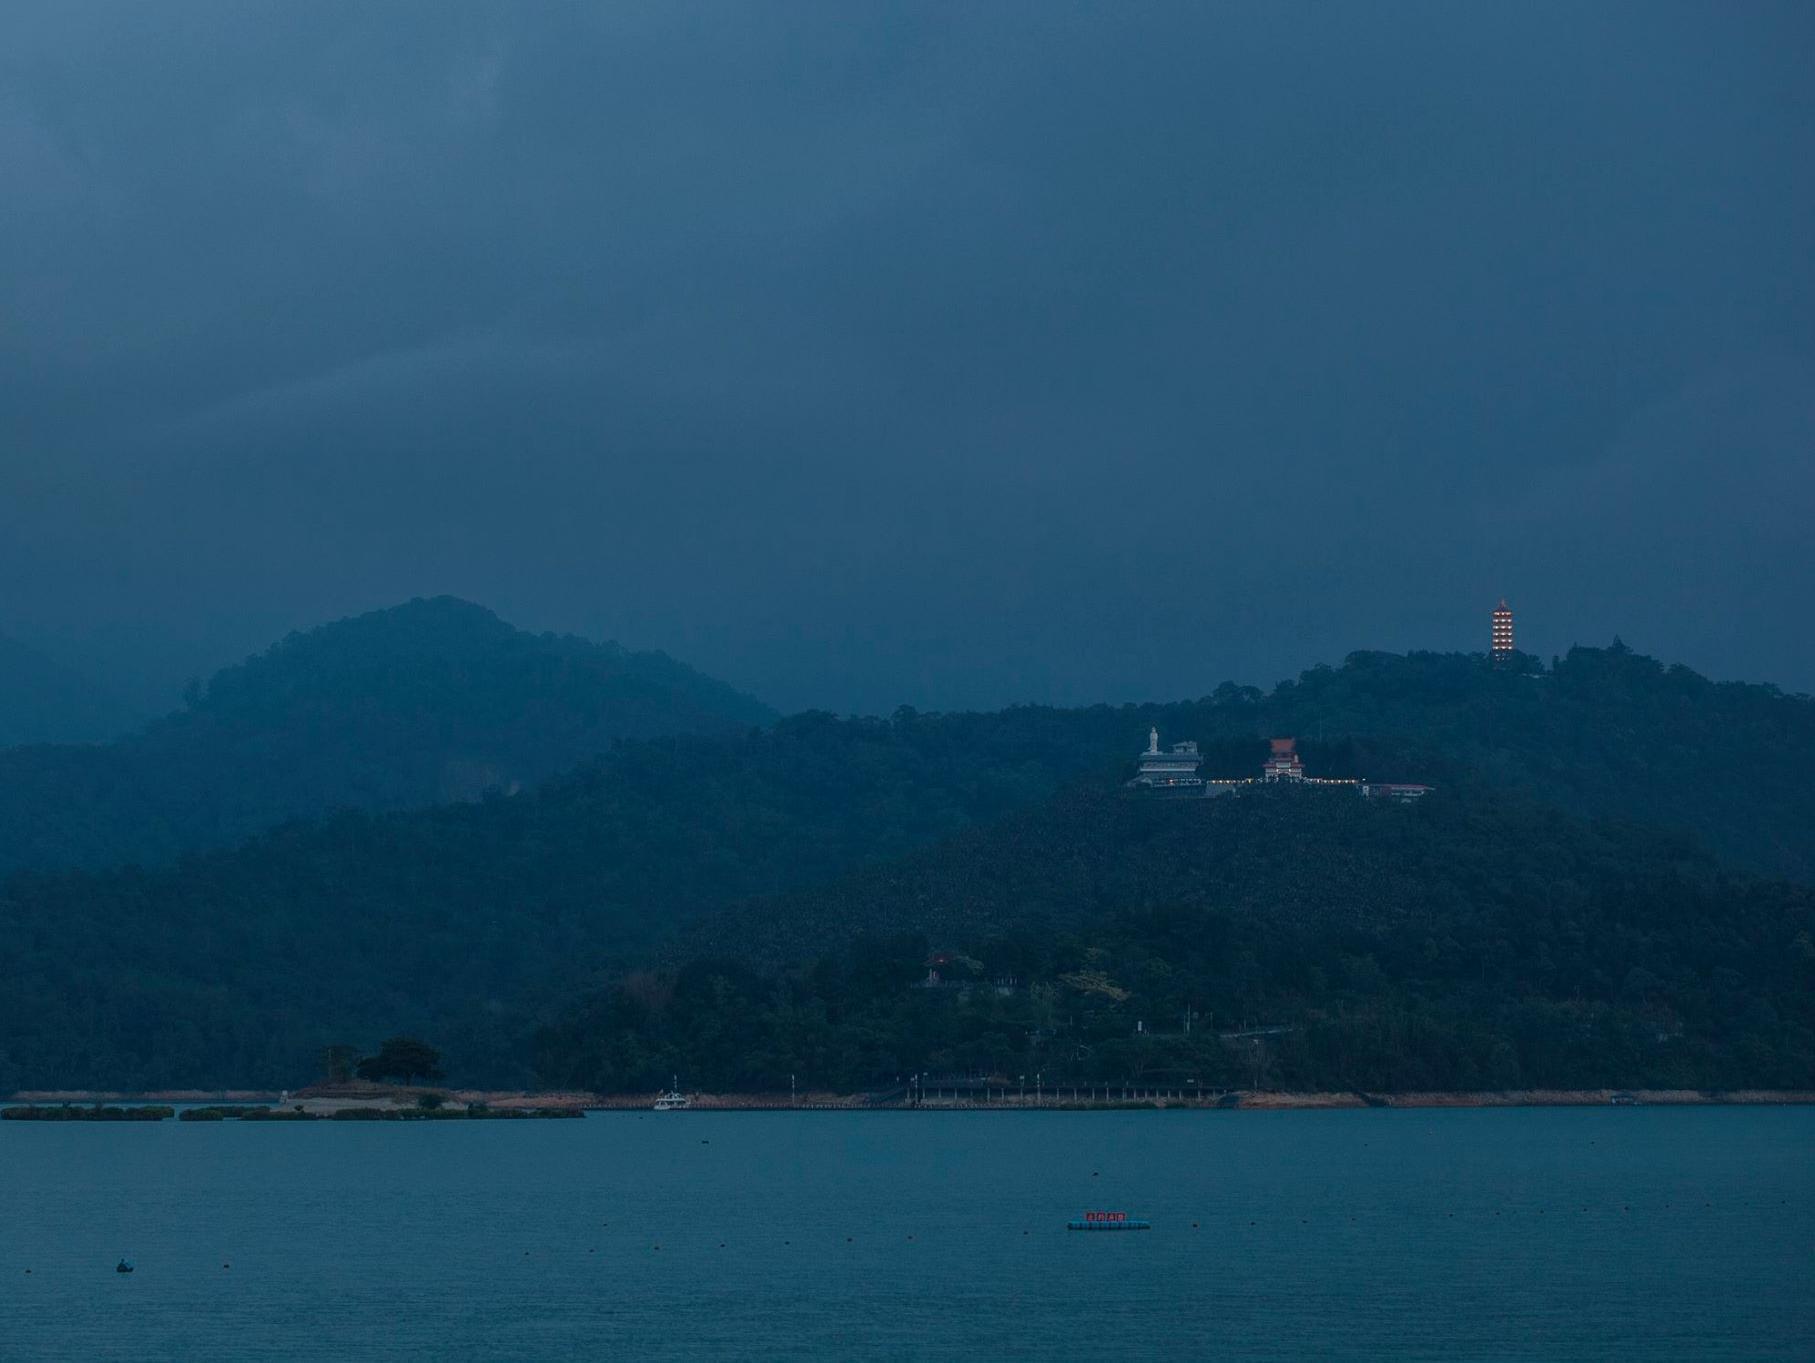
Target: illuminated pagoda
(1500, 641)
(1169, 773)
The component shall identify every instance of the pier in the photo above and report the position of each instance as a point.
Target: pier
(1036, 1091)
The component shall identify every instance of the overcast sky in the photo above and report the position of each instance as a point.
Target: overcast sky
(943, 354)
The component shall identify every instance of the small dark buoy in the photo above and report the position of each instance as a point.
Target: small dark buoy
(1194, 1224)
(658, 1246)
(226, 1265)
(847, 1239)
(124, 1266)
(721, 1244)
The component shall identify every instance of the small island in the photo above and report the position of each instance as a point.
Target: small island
(355, 1089)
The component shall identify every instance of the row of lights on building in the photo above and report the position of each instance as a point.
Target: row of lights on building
(1500, 638)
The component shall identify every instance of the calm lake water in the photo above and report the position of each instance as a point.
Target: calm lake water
(1512, 1234)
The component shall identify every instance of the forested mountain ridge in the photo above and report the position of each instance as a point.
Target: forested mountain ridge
(459, 921)
(463, 922)
(438, 700)
(1604, 732)
(1476, 941)
(432, 701)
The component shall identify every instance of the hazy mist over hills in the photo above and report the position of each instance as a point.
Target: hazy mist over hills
(952, 356)
(1108, 363)
(42, 701)
(432, 701)
(620, 561)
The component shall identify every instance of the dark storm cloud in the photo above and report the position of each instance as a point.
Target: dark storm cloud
(951, 355)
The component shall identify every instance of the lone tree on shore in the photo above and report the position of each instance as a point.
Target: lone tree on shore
(402, 1057)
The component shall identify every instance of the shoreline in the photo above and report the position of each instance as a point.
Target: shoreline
(326, 1102)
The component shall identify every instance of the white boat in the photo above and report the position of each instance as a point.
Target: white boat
(673, 1100)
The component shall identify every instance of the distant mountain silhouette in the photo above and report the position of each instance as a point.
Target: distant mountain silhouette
(44, 702)
(464, 922)
(429, 702)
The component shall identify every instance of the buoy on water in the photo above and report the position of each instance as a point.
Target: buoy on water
(124, 1266)
(1109, 1221)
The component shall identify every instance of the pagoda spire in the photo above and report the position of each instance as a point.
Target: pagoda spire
(1500, 638)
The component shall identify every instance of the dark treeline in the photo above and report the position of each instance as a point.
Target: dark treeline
(1472, 942)
(455, 923)
(466, 924)
(432, 701)
(1605, 732)
(439, 700)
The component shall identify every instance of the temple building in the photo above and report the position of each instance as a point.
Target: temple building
(1175, 773)
(1283, 762)
(1500, 637)
(1169, 773)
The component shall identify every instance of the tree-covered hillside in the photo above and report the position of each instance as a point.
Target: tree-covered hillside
(463, 922)
(433, 701)
(457, 922)
(1468, 942)
(1600, 731)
